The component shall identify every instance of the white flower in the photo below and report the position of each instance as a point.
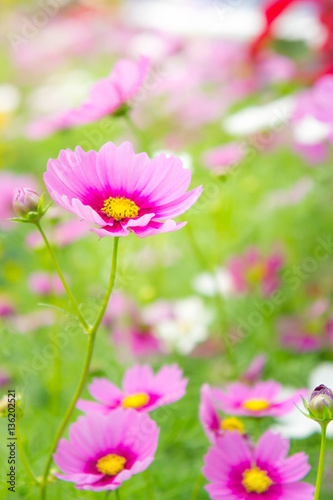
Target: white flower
(297, 426)
(188, 325)
(209, 284)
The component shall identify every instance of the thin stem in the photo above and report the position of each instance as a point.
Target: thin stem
(62, 278)
(137, 132)
(23, 456)
(321, 460)
(85, 370)
(117, 494)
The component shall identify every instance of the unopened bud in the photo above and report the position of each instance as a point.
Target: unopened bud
(321, 403)
(25, 201)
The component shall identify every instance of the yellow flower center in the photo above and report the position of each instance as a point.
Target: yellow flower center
(232, 424)
(135, 401)
(120, 208)
(256, 404)
(256, 480)
(111, 464)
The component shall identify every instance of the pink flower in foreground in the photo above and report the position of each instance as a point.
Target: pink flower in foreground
(237, 471)
(121, 191)
(251, 270)
(104, 451)
(260, 400)
(213, 424)
(142, 390)
(107, 96)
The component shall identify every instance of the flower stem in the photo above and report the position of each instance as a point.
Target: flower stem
(117, 494)
(321, 460)
(138, 134)
(85, 370)
(22, 453)
(62, 278)
(197, 487)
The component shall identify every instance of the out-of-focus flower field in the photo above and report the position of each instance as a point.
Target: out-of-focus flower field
(232, 310)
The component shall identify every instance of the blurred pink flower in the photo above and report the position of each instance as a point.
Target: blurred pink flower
(251, 270)
(4, 378)
(121, 191)
(254, 371)
(140, 341)
(8, 183)
(142, 390)
(7, 307)
(238, 471)
(310, 331)
(260, 400)
(62, 234)
(220, 160)
(107, 96)
(43, 283)
(213, 424)
(104, 451)
(26, 323)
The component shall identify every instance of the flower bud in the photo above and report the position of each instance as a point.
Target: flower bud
(321, 403)
(25, 201)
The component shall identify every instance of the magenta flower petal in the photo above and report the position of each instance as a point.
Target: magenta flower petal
(121, 191)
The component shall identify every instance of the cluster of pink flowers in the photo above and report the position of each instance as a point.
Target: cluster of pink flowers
(234, 467)
(116, 439)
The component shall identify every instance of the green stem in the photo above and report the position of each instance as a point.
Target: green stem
(117, 494)
(22, 453)
(62, 278)
(321, 460)
(85, 370)
(138, 133)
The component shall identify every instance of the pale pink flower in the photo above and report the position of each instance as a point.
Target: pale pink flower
(107, 96)
(222, 159)
(260, 400)
(141, 390)
(104, 451)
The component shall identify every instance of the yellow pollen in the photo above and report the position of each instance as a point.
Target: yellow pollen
(256, 404)
(232, 424)
(120, 208)
(111, 464)
(256, 480)
(135, 401)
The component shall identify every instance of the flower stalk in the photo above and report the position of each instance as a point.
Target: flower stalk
(321, 460)
(91, 343)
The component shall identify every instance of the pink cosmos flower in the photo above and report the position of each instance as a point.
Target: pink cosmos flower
(107, 96)
(260, 400)
(8, 183)
(4, 378)
(121, 191)
(43, 283)
(142, 390)
(252, 269)
(212, 422)
(238, 471)
(7, 307)
(104, 451)
(138, 339)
